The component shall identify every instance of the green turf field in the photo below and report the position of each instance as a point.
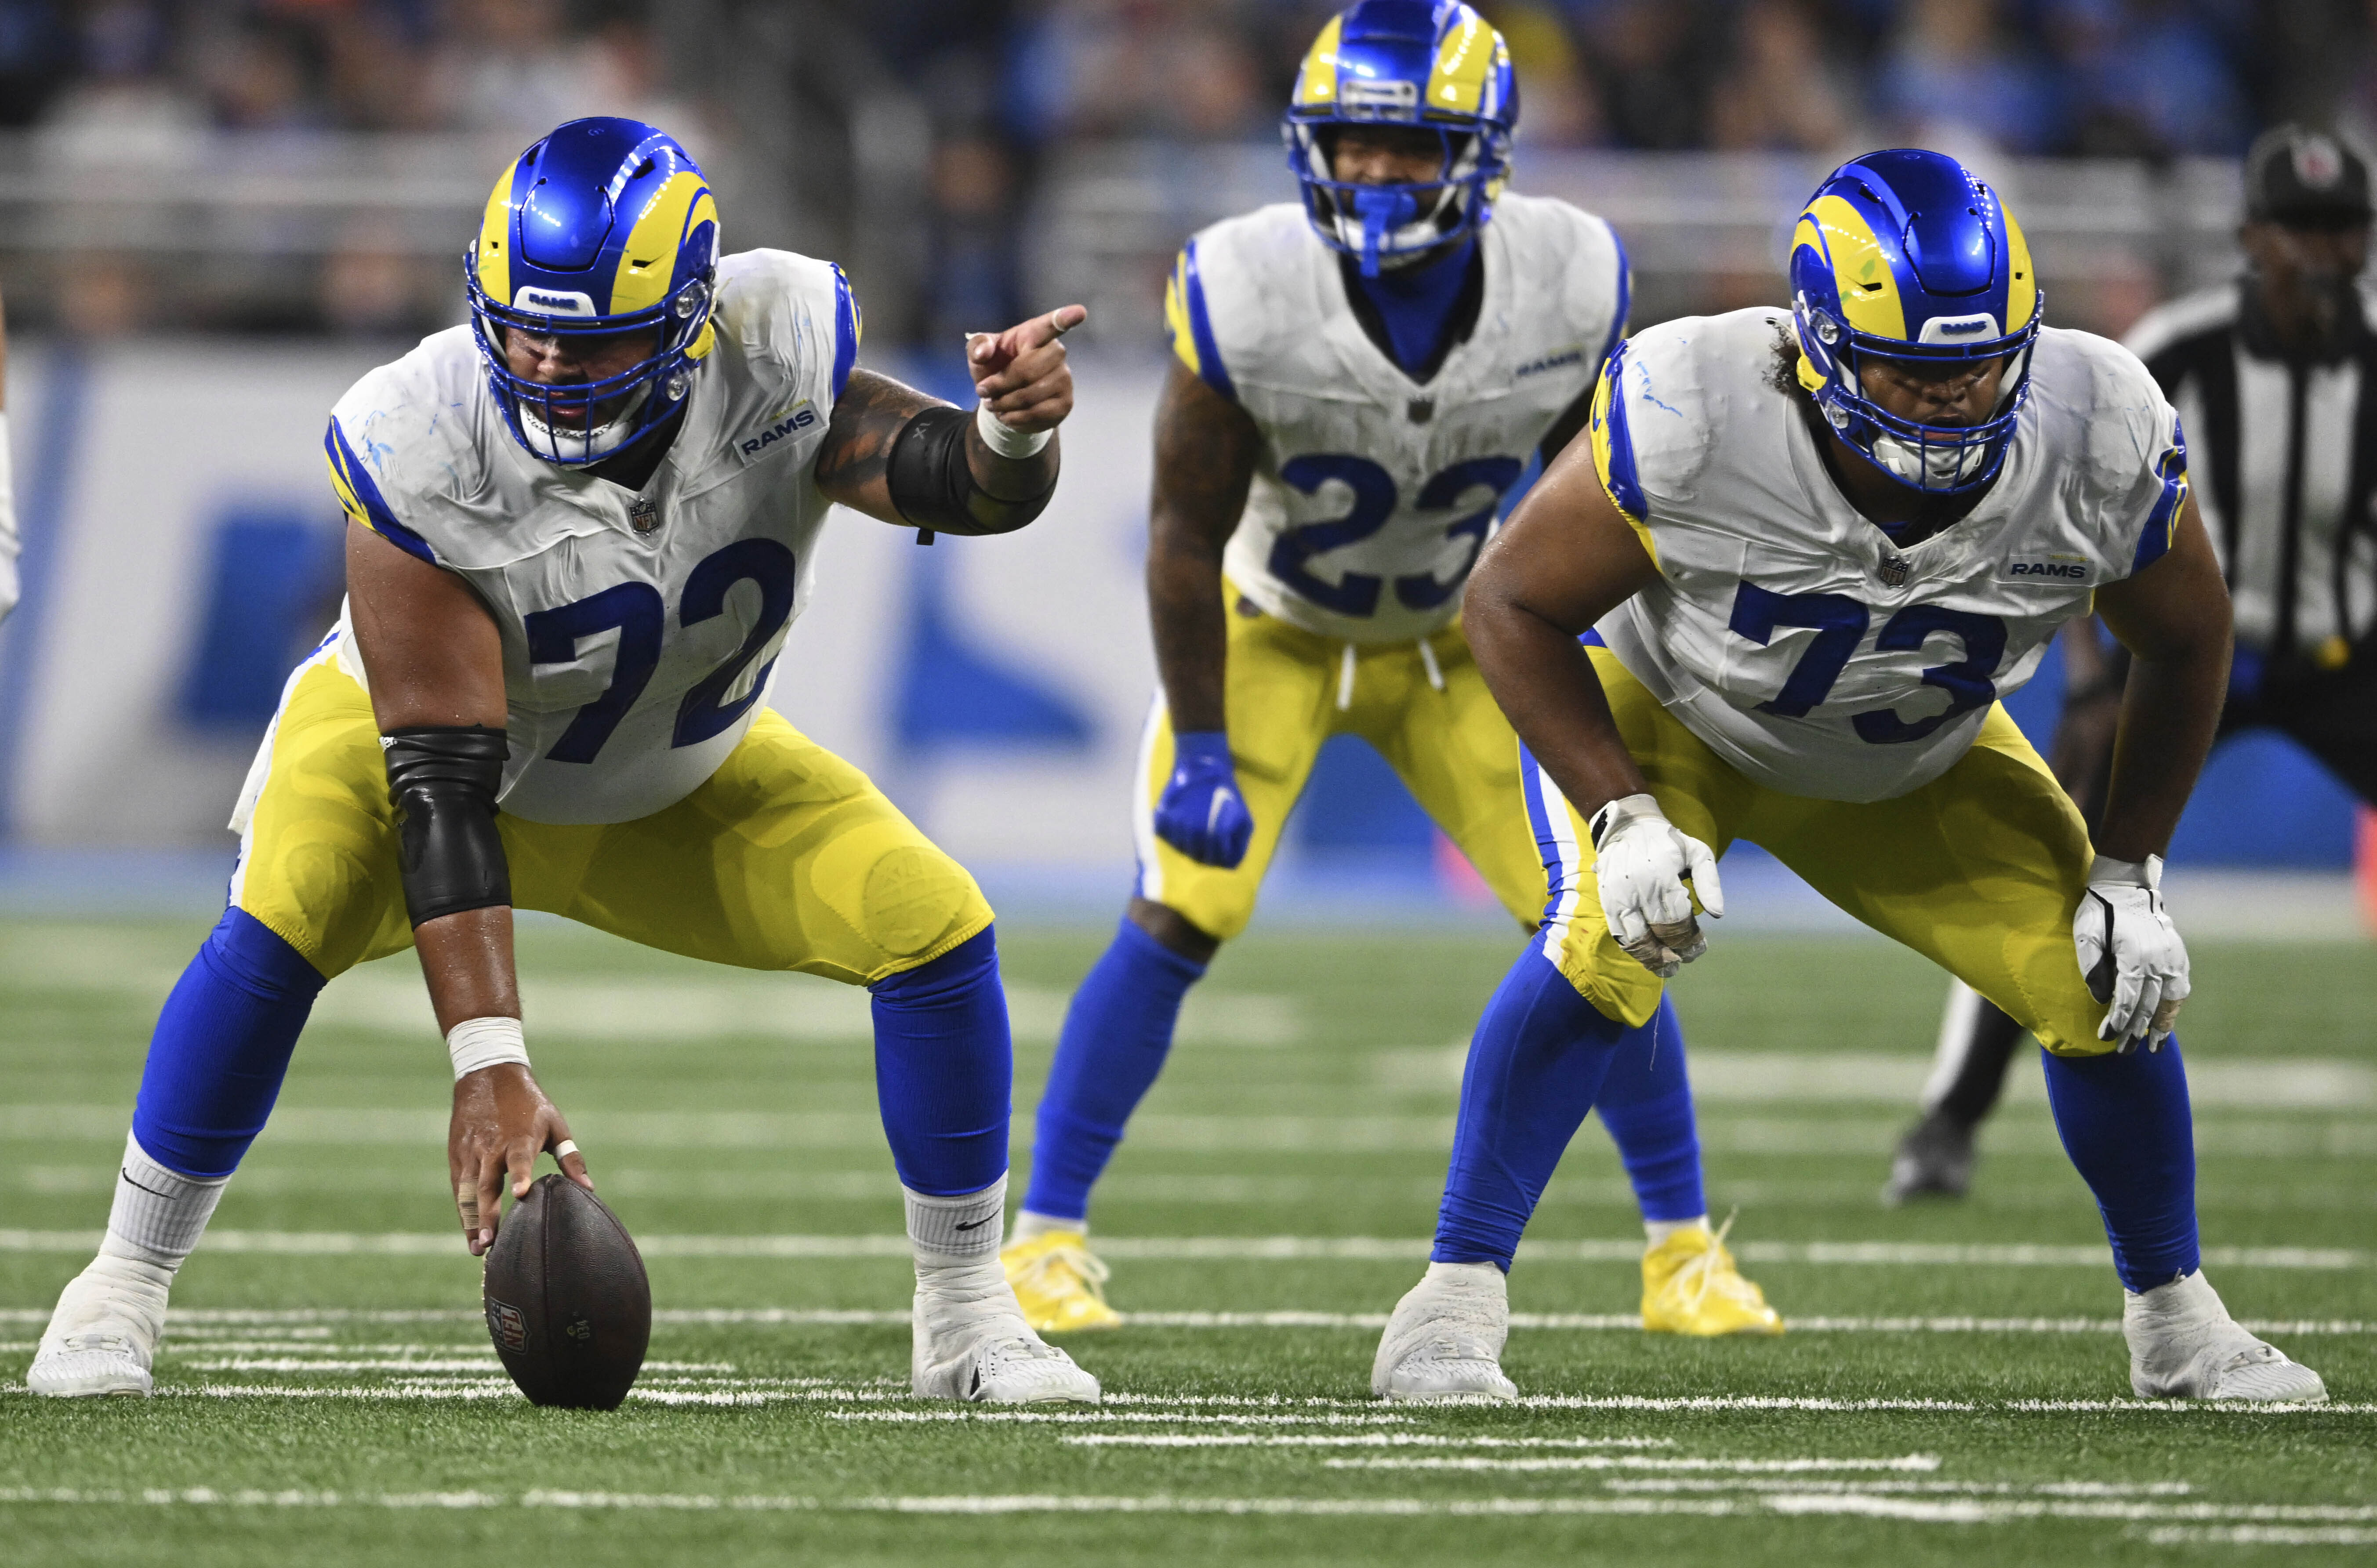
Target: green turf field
(1953, 1386)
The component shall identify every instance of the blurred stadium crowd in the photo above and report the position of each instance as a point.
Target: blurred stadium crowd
(309, 165)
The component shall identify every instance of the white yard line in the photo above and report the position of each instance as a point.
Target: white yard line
(1364, 1439)
(2261, 1535)
(193, 1323)
(2293, 1523)
(1240, 1248)
(1641, 1462)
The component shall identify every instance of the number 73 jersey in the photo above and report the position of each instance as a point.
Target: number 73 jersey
(1372, 492)
(639, 627)
(1791, 634)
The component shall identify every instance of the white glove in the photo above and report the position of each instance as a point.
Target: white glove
(2131, 953)
(1648, 872)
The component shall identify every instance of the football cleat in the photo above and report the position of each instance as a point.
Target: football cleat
(102, 1339)
(970, 1342)
(1060, 1283)
(1934, 1160)
(1444, 1341)
(1690, 1286)
(2183, 1345)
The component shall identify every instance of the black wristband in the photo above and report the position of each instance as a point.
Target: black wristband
(443, 781)
(932, 484)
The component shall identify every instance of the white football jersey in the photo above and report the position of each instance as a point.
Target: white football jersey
(1373, 492)
(639, 629)
(1786, 631)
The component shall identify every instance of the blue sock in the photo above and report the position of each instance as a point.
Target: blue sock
(1535, 1069)
(2124, 1122)
(1116, 1034)
(1647, 1103)
(222, 1048)
(944, 1068)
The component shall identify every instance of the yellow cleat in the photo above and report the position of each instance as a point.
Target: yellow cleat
(1060, 1283)
(1690, 1285)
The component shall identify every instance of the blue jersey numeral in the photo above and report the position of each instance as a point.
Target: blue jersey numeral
(1967, 680)
(1356, 594)
(769, 564)
(636, 612)
(1840, 623)
(1497, 475)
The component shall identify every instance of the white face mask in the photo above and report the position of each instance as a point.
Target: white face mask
(579, 446)
(1930, 466)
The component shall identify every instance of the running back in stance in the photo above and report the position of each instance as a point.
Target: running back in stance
(1778, 601)
(1357, 382)
(580, 528)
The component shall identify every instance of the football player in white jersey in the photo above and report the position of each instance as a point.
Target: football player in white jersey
(1359, 380)
(580, 528)
(1816, 544)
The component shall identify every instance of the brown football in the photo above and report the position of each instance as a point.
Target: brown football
(568, 1303)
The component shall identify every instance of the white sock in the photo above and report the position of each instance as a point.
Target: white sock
(1469, 1276)
(159, 1214)
(955, 1232)
(2186, 1302)
(1028, 1225)
(1658, 1230)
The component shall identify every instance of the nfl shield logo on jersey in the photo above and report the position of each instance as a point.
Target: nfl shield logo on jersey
(643, 516)
(1893, 569)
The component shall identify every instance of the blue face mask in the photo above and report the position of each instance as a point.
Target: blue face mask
(1381, 210)
(1414, 304)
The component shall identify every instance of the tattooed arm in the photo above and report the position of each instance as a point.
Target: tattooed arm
(1020, 374)
(1205, 447)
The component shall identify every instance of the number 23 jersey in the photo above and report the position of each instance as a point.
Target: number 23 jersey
(1372, 492)
(639, 629)
(1788, 631)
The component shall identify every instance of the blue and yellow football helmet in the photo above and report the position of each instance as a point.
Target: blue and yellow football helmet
(1436, 66)
(605, 226)
(1906, 255)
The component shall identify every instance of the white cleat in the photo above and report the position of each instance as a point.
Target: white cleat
(2183, 1345)
(1444, 1341)
(102, 1339)
(970, 1342)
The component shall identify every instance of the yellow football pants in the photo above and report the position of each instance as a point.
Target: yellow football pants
(1979, 871)
(787, 857)
(1422, 705)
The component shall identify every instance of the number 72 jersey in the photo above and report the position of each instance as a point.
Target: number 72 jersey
(639, 629)
(1372, 492)
(1792, 635)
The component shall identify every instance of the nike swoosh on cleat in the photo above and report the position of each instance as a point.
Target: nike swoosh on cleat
(975, 1224)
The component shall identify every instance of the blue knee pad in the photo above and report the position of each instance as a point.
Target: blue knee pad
(222, 1048)
(944, 1068)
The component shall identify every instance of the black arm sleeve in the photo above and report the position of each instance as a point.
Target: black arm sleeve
(932, 484)
(443, 781)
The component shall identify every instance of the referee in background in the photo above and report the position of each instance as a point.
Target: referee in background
(2275, 378)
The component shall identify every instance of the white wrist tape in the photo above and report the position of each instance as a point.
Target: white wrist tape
(7, 523)
(1005, 442)
(485, 1042)
(2108, 873)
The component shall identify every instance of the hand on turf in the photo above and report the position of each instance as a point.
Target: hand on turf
(1202, 813)
(1021, 374)
(1649, 872)
(2131, 953)
(501, 1122)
